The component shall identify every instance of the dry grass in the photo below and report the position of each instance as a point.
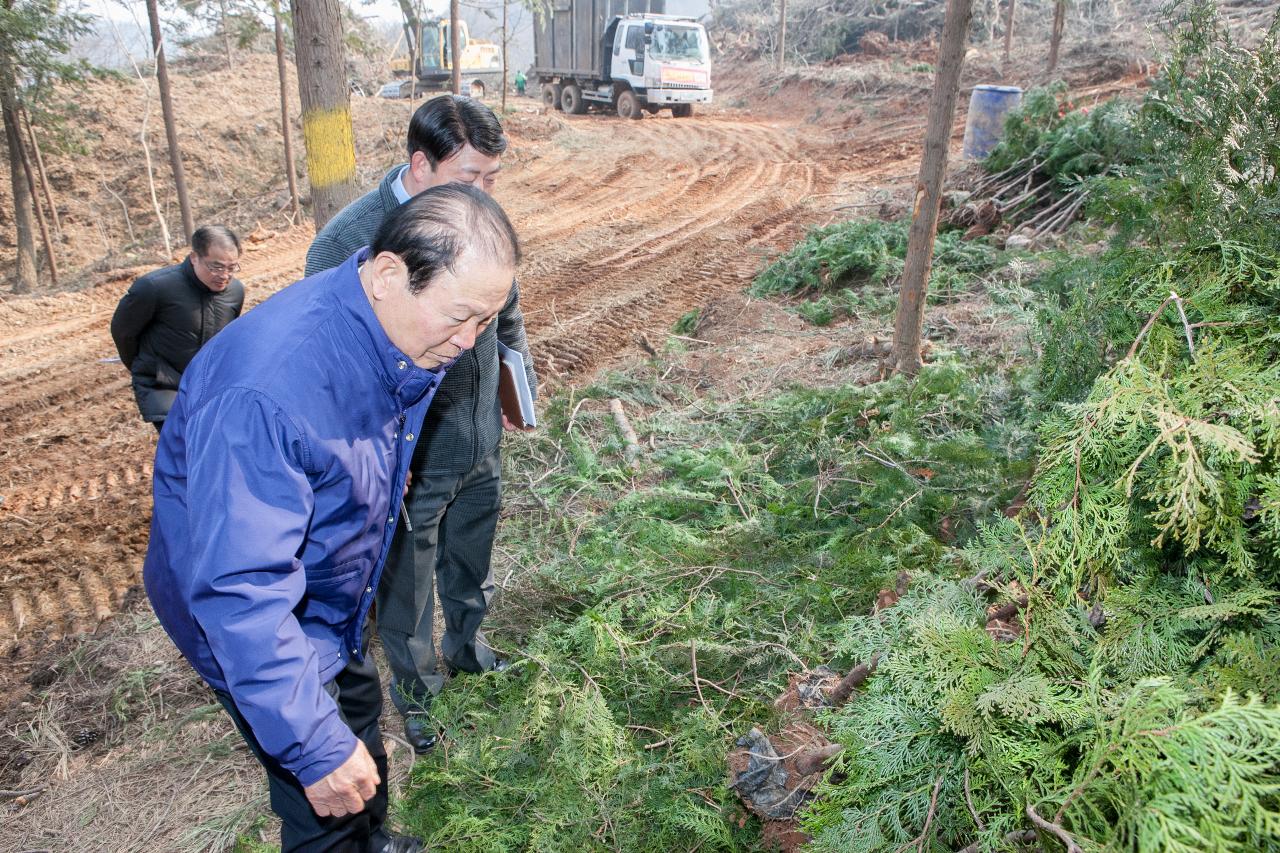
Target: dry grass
(161, 767)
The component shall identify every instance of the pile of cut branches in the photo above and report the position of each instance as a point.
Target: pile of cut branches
(1037, 179)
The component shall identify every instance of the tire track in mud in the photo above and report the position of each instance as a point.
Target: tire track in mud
(655, 263)
(627, 225)
(75, 460)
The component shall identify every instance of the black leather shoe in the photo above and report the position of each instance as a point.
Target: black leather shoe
(499, 665)
(402, 844)
(418, 731)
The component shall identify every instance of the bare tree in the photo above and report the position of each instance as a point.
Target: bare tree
(326, 106)
(35, 204)
(455, 58)
(23, 215)
(1055, 40)
(224, 25)
(170, 126)
(909, 324)
(782, 35)
(142, 140)
(35, 39)
(286, 128)
(1008, 37)
(504, 57)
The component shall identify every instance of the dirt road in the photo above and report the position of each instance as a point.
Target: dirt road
(626, 227)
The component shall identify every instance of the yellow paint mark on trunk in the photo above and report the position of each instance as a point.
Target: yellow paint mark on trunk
(331, 149)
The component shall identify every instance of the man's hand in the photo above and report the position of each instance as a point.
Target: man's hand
(345, 790)
(510, 427)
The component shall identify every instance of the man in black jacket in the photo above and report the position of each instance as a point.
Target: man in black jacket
(170, 313)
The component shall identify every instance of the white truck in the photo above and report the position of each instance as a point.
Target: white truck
(595, 53)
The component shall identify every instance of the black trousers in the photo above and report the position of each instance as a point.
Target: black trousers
(447, 554)
(359, 697)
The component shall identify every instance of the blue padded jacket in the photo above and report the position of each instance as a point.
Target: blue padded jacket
(278, 480)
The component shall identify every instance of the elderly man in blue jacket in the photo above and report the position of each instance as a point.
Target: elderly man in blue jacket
(278, 481)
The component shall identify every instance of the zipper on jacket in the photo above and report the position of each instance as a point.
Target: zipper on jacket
(475, 411)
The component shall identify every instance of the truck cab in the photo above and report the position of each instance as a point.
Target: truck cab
(665, 60)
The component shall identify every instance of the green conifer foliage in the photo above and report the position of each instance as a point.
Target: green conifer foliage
(1127, 700)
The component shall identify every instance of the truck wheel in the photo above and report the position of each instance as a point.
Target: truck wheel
(571, 100)
(476, 90)
(681, 110)
(551, 96)
(629, 105)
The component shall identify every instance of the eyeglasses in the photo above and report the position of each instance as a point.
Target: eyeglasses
(220, 269)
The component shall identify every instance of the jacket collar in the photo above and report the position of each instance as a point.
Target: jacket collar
(190, 277)
(385, 192)
(403, 379)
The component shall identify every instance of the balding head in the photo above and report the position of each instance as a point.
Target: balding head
(441, 268)
(434, 228)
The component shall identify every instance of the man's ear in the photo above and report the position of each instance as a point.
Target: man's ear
(386, 270)
(421, 167)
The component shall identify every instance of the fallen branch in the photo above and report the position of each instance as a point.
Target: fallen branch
(632, 444)
(13, 795)
(1146, 327)
(1020, 836)
(860, 673)
(968, 798)
(1004, 611)
(1055, 829)
(918, 842)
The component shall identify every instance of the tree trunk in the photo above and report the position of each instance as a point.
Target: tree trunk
(326, 106)
(782, 35)
(1055, 40)
(43, 174)
(25, 279)
(286, 127)
(455, 63)
(35, 205)
(909, 324)
(226, 34)
(170, 127)
(504, 57)
(1008, 38)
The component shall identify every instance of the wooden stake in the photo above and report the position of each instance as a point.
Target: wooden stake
(44, 176)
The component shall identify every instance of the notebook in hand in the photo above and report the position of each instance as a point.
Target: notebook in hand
(514, 392)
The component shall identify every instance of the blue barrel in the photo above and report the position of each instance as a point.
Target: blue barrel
(988, 105)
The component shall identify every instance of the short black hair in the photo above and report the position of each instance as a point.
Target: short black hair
(443, 125)
(431, 231)
(206, 236)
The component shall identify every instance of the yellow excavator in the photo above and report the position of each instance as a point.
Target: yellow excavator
(428, 65)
